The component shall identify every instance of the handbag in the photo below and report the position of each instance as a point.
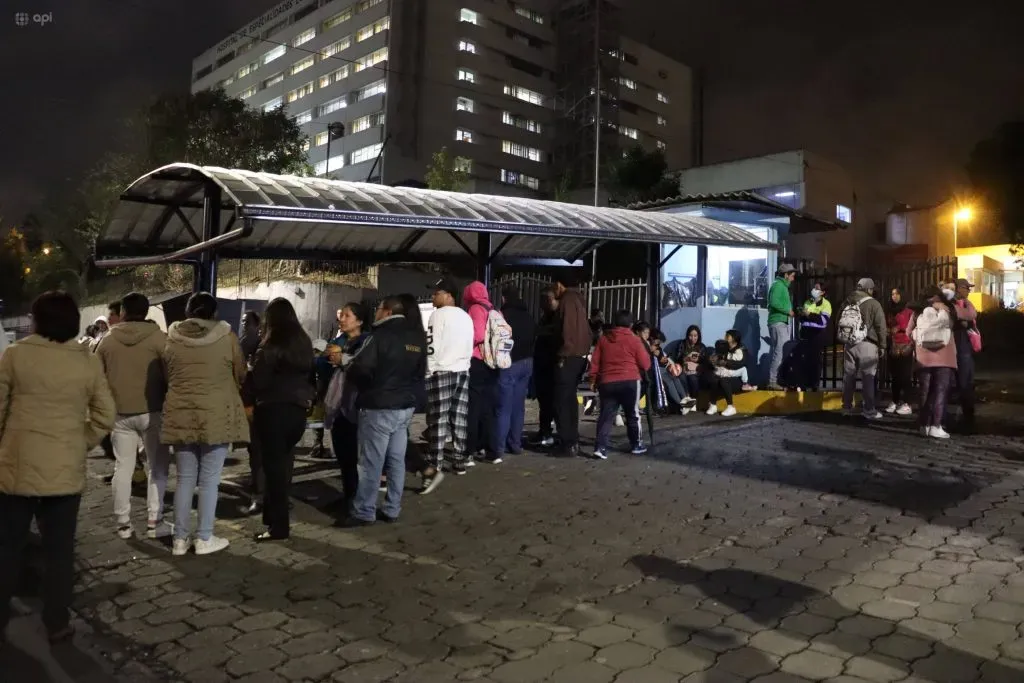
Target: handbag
(333, 397)
(975, 338)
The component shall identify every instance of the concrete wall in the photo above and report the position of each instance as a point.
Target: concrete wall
(745, 174)
(751, 323)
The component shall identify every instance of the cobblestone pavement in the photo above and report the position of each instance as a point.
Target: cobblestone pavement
(767, 549)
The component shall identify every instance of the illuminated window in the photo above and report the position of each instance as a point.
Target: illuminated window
(367, 4)
(662, 97)
(304, 37)
(662, 121)
(273, 104)
(524, 151)
(332, 164)
(299, 93)
(333, 105)
(524, 94)
(463, 164)
(373, 29)
(629, 132)
(517, 178)
(371, 59)
(661, 145)
(334, 76)
(529, 14)
(463, 135)
(376, 88)
(305, 145)
(367, 122)
(366, 153)
(247, 93)
(466, 46)
(465, 104)
(304, 117)
(335, 48)
(226, 82)
(469, 15)
(320, 139)
(339, 18)
(248, 69)
(844, 214)
(510, 119)
(627, 82)
(274, 54)
(273, 80)
(466, 75)
(301, 65)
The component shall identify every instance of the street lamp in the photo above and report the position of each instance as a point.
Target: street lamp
(334, 130)
(964, 214)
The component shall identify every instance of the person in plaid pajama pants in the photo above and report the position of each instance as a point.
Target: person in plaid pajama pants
(449, 351)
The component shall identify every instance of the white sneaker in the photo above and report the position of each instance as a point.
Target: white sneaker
(891, 409)
(125, 531)
(619, 422)
(938, 433)
(712, 409)
(876, 415)
(162, 529)
(729, 411)
(181, 546)
(214, 545)
(904, 410)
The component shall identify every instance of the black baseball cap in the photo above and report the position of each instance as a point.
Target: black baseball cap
(447, 286)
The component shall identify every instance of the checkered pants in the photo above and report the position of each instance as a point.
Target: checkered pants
(447, 416)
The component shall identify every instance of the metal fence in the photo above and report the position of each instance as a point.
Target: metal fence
(911, 279)
(608, 296)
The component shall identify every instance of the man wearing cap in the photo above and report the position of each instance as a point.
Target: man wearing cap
(966, 320)
(570, 362)
(449, 353)
(780, 312)
(860, 359)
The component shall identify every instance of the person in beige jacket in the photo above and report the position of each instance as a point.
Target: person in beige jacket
(202, 416)
(55, 407)
(131, 354)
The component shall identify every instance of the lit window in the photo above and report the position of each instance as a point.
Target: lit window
(662, 97)
(305, 145)
(844, 214)
(367, 122)
(469, 15)
(510, 119)
(334, 76)
(273, 80)
(333, 105)
(301, 66)
(247, 93)
(274, 54)
(304, 37)
(333, 164)
(629, 132)
(320, 139)
(376, 88)
(226, 82)
(373, 29)
(466, 75)
(661, 145)
(517, 178)
(662, 121)
(466, 46)
(627, 82)
(366, 153)
(367, 4)
(372, 59)
(304, 117)
(739, 276)
(339, 18)
(463, 135)
(335, 48)
(273, 104)
(299, 93)
(465, 104)
(529, 14)
(463, 164)
(524, 151)
(524, 94)
(248, 69)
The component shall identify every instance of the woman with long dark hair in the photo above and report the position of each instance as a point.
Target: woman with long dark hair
(354, 319)
(283, 393)
(901, 352)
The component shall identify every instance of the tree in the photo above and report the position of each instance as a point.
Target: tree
(641, 176)
(447, 172)
(996, 172)
(12, 269)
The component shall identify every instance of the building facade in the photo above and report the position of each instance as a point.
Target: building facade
(384, 84)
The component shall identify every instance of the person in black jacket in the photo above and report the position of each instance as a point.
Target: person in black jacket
(387, 373)
(283, 395)
(547, 341)
(514, 381)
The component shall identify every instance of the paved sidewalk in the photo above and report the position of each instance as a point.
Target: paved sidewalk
(766, 549)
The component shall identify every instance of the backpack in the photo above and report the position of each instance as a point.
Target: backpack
(932, 329)
(497, 346)
(851, 328)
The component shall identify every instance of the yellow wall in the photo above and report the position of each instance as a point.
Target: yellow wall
(995, 258)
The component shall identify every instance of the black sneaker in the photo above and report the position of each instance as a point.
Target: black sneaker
(381, 517)
(459, 469)
(572, 451)
(493, 459)
(355, 523)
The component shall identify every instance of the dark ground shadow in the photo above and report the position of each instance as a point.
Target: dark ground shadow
(748, 324)
(778, 598)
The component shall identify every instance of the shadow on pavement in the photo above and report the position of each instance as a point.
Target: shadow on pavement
(779, 598)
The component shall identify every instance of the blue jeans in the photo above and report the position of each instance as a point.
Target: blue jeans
(383, 436)
(197, 464)
(513, 385)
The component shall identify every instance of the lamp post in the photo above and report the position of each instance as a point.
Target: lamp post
(964, 213)
(334, 130)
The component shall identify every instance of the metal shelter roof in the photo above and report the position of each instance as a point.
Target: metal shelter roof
(301, 217)
(743, 200)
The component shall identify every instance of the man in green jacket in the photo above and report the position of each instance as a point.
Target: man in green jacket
(780, 311)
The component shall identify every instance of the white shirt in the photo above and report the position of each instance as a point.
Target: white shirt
(449, 340)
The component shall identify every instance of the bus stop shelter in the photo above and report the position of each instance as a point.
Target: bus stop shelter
(184, 213)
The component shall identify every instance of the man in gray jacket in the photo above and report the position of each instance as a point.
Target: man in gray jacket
(863, 337)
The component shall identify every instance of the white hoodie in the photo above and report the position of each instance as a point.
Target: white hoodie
(449, 340)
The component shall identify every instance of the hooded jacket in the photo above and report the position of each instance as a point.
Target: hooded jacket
(204, 368)
(524, 329)
(478, 305)
(620, 356)
(132, 361)
(55, 407)
(873, 315)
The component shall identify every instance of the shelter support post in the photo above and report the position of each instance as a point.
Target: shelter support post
(702, 276)
(205, 275)
(654, 284)
(483, 258)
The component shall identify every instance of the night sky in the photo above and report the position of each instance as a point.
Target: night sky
(895, 91)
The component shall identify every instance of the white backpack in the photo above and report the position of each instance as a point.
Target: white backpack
(851, 328)
(932, 329)
(497, 346)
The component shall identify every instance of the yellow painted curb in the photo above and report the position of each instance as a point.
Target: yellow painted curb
(773, 402)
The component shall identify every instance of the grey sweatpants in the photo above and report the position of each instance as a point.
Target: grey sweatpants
(860, 360)
(778, 336)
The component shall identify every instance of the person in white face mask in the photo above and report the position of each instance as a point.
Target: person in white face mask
(814, 323)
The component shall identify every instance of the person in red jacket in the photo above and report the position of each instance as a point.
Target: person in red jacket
(617, 365)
